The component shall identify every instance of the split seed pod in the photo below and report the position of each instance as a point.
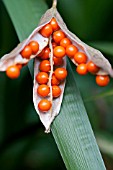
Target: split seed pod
(15, 57)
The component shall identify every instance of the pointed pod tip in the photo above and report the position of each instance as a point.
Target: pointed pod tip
(47, 130)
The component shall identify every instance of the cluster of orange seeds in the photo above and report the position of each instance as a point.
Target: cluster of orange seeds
(32, 48)
(42, 79)
(62, 46)
(59, 73)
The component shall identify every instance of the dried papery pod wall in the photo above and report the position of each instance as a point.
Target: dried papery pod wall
(48, 96)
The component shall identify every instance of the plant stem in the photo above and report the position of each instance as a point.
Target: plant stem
(51, 72)
(54, 3)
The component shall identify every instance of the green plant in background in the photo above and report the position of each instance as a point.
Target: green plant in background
(22, 142)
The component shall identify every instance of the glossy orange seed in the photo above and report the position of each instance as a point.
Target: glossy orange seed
(19, 66)
(59, 51)
(56, 91)
(34, 46)
(45, 66)
(42, 78)
(45, 53)
(102, 80)
(60, 73)
(54, 80)
(92, 68)
(65, 42)
(58, 36)
(43, 90)
(44, 105)
(26, 52)
(80, 58)
(13, 72)
(54, 44)
(54, 24)
(82, 69)
(57, 61)
(46, 31)
(71, 50)
(41, 53)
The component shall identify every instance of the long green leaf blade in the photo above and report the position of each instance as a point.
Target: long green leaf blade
(71, 129)
(24, 17)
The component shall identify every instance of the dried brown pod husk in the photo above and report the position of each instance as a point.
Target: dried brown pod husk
(93, 54)
(48, 117)
(15, 58)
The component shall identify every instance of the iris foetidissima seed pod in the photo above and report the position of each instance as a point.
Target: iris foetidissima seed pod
(16, 58)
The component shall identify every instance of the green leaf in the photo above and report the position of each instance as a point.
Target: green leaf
(107, 93)
(106, 47)
(22, 15)
(71, 129)
(105, 142)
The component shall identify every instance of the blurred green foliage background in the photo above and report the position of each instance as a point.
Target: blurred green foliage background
(23, 144)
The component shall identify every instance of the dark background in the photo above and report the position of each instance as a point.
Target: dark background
(23, 144)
